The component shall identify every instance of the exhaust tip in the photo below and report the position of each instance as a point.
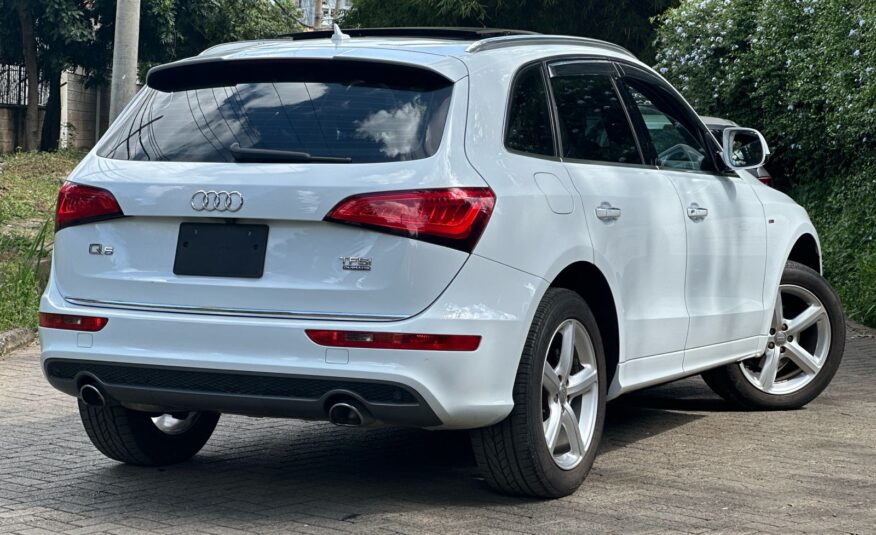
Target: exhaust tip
(91, 396)
(349, 414)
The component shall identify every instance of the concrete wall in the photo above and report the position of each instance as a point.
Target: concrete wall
(84, 112)
(84, 116)
(12, 126)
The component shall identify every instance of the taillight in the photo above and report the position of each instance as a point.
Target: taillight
(72, 323)
(375, 340)
(768, 180)
(454, 217)
(78, 204)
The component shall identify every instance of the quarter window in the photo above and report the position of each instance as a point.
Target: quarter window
(593, 125)
(529, 120)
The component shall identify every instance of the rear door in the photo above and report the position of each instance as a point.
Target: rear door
(633, 212)
(191, 166)
(726, 228)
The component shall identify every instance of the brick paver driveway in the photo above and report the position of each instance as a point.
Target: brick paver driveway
(674, 458)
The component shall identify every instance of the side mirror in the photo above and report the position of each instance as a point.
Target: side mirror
(744, 148)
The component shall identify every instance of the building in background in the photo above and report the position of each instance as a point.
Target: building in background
(329, 11)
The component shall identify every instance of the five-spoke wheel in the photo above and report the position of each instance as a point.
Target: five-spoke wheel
(569, 394)
(804, 348)
(798, 343)
(547, 445)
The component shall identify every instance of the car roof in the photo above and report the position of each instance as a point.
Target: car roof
(449, 51)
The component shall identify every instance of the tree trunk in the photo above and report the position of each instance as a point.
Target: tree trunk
(52, 120)
(29, 49)
(317, 14)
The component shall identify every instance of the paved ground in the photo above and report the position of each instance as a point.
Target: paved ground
(675, 458)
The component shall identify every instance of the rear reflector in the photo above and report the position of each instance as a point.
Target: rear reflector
(78, 204)
(374, 340)
(72, 323)
(455, 217)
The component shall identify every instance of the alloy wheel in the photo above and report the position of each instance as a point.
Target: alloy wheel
(798, 344)
(569, 389)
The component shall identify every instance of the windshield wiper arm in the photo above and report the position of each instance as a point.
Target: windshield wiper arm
(269, 155)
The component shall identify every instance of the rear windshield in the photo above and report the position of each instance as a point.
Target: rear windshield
(354, 111)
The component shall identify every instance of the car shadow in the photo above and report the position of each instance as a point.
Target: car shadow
(253, 468)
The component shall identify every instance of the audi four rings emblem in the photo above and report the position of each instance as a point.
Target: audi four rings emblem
(217, 201)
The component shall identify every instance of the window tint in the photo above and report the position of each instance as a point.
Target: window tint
(677, 146)
(593, 125)
(529, 121)
(341, 113)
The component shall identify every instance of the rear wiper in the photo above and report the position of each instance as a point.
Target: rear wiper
(268, 155)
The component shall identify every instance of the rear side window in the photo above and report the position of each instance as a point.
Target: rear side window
(593, 124)
(529, 121)
(337, 110)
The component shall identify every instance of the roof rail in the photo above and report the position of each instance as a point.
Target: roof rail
(493, 43)
(460, 34)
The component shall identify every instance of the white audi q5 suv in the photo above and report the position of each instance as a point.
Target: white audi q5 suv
(441, 228)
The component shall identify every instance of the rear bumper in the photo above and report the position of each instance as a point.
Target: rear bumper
(262, 363)
(170, 389)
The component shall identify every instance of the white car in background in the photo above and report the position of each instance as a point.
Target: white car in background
(440, 228)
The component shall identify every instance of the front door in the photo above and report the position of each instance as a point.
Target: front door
(726, 228)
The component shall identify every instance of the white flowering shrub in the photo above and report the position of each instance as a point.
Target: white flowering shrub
(802, 71)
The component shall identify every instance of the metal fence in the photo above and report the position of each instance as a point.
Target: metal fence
(13, 86)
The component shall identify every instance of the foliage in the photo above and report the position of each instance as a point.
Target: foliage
(800, 71)
(21, 278)
(63, 30)
(625, 22)
(81, 32)
(28, 188)
(843, 208)
(804, 73)
(175, 29)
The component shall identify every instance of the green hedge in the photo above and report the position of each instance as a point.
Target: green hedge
(804, 73)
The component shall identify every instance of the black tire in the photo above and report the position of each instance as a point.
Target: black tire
(131, 437)
(730, 383)
(513, 455)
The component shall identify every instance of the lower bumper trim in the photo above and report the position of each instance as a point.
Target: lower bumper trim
(171, 388)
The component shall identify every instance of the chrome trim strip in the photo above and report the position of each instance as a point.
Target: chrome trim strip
(238, 312)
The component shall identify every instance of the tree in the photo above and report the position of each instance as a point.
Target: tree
(175, 29)
(625, 22)
(29, 54)
(51, 35)
(48, 36)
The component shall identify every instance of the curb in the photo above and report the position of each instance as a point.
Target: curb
(860, 330)
(15, 339)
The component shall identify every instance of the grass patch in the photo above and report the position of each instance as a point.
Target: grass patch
(28, 190)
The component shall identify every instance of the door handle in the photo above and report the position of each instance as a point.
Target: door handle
(696, 212)
(607, 212)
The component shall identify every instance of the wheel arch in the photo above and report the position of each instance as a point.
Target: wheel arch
(806, 251)
(587, 280)
(798, 245)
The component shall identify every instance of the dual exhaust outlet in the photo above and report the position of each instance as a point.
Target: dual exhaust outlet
(346, 413)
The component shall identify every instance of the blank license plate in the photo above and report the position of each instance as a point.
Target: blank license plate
(221, 250)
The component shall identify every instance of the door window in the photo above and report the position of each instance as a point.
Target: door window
(593, 125)
(529, 121)
(675, 140)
